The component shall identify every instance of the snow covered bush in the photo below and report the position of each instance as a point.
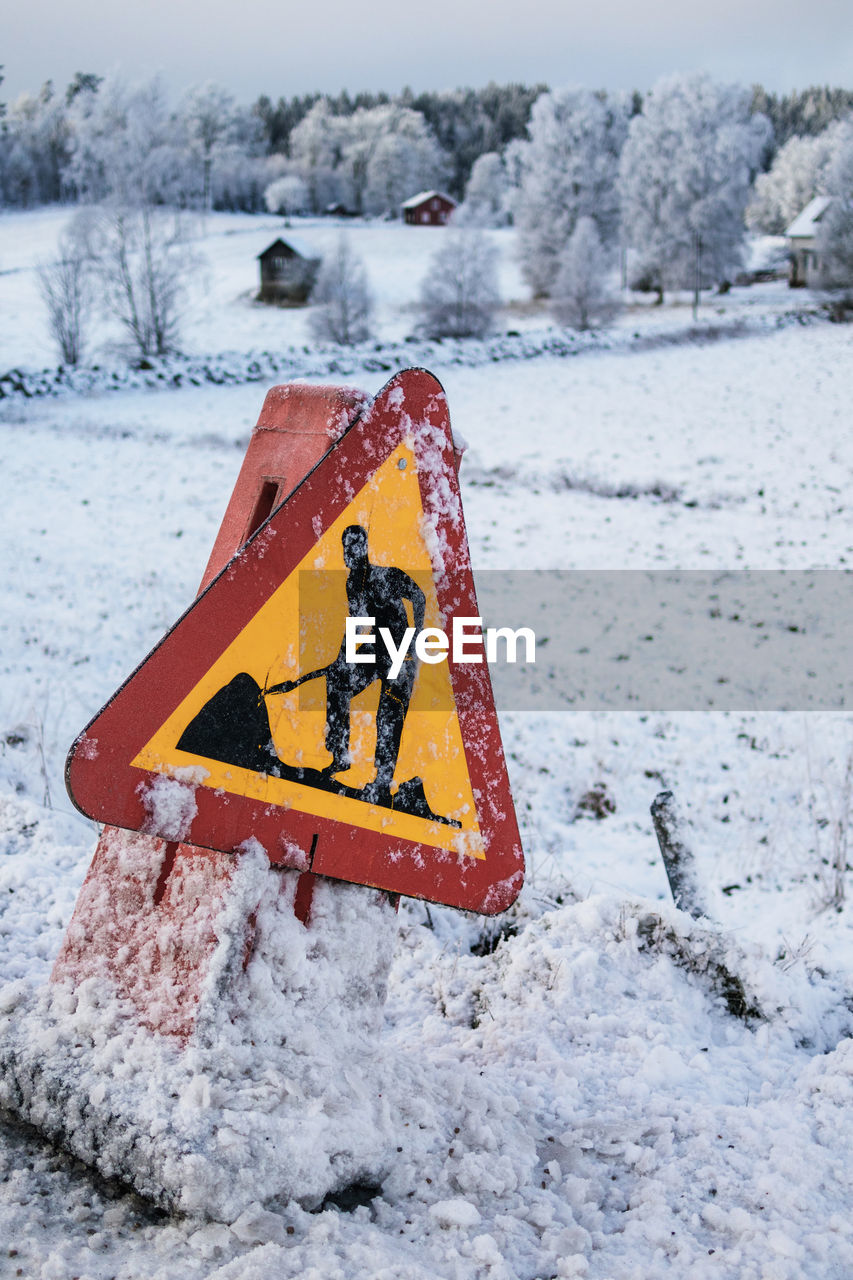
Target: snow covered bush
(581, 297)
(459, 294)
(342, 300)
(684, 179)
(568, 171)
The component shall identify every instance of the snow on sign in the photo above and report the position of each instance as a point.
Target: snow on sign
(305, 698)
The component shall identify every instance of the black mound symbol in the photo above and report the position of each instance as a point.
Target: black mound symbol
(234, 728)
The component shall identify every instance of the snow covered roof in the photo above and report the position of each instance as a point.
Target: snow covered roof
(298, 247)
(422, 196)
(805, 223)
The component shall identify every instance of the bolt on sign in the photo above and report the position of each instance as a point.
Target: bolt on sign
(309, 698)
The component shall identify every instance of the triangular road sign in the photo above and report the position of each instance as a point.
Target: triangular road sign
(248, 721)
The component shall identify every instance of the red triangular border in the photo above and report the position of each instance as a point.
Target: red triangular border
(104, 786)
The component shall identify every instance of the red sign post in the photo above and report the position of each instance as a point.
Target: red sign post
(283, 706)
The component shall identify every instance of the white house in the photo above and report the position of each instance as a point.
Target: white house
(801, 235)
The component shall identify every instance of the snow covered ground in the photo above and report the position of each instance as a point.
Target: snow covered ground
(595, 1085)
(219, 308)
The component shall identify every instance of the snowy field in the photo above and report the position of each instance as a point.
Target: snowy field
(219, 308)
(606, 1088)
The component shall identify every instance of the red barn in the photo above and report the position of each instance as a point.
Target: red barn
(428, 209)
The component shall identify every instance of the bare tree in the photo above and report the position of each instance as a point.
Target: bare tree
(66, 287)
(460, 294)
(342, 298)
(144, 260)
(581, 297)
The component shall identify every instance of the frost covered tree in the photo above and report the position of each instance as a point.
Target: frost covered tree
(34, 146)
(130, 156)
(513, 162)
(464, 122)
(461, 123)
(341, 298)
(406, 159)
(287, 195)
(487, 195)
(835, 230)
(315, 149)
(684, 180)
(238, 180)
(459, 294)
(581, 297)
(127, 146)
(804, 111)
(207, 113)
(361, 134)
(388, 152)
(470, 122)
(568, 171)
(98, 121)
(797, 175)
(371, 159)
(67, 289)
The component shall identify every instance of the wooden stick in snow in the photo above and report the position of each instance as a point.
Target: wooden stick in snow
(677, 857)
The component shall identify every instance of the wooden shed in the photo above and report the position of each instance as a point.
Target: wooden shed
(428, 209)
(288, 272)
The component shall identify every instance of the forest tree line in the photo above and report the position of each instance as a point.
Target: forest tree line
(365, 152)
(665, 183)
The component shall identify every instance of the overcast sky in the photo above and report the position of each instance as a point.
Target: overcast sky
(256, 46)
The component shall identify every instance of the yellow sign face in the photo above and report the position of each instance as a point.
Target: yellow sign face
(290, 724)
